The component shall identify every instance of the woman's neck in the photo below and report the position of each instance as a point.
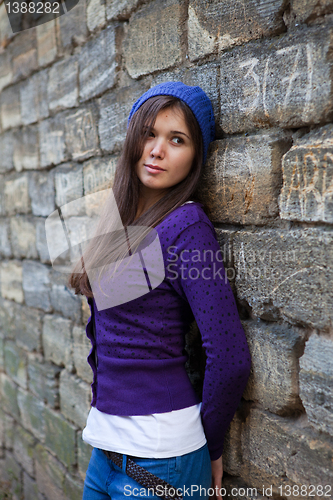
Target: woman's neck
(143, 207)
(145, 202)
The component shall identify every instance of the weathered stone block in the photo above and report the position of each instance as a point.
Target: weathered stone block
(60, 437)
(11, 280)
(84, 454)
(5, 246)
(81, 228)
(316, 382)
(153, 39)
(3, 478)
(81, 350)
(120, 9)
(2, 363)
(42, 193)
(2, 429)
(72, 28)
(75, 398)
(6, 33)
(224, 237)
(7, 318)
(7, 152)
(24, 449)
(62, 84)
(30, 488)
(278, 452)
(220, 24)
(23, 237)
(41, 242)
(28, 327)
(98, 64)
(52, 147)
(33, 97)
(43, 380)
(24, 53)
(275, 350)
(9, 396)
(10, 107)
(1, 438)
(114, 110)
(290, 270)
(57, 341)
(206, 76)
(98, 174)
(95, 14)
(241, 180)
(308, 10)
(46, 42)
(307, 193)
(36, 285)
(232, 450)
(25, 151)
(2, 195)
(6, 74)
(81, 133)
(50, 474)
(12, 477)
(73, 489)
(32, 413)
(17, 200)
(9, 431)
(16, 363)
(68, 183)
(64, 300)
(284, 82)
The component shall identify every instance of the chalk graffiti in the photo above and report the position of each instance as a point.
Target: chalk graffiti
(308, 184)
(277, 81)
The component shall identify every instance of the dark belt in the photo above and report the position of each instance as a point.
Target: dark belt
(144, 477)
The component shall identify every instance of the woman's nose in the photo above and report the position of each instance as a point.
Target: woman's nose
(158, 150)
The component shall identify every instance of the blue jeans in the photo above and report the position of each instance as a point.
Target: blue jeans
(191, 473)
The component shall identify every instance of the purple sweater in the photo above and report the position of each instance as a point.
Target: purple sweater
(140, 344)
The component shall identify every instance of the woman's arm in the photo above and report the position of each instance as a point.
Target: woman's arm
(201, 279)
(217, 473)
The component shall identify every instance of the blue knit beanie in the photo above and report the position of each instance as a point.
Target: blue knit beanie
(195, 98)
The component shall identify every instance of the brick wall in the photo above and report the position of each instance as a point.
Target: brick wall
(66, 90)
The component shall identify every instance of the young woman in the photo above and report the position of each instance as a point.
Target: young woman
(144, 409)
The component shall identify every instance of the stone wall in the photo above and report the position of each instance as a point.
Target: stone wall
(66, 90)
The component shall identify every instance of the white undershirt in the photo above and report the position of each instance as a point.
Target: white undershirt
(159, 435)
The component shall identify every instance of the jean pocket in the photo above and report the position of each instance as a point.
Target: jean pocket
(192, 469)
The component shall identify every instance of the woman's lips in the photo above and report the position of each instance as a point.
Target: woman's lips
(154, 169)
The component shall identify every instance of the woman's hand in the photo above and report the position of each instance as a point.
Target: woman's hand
(217, 473)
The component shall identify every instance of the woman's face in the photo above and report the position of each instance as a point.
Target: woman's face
(168, 153)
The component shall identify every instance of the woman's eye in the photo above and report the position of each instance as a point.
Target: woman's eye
(177, 140)
(147, 133)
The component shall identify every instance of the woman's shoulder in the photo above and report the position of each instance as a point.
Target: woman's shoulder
(181, 217)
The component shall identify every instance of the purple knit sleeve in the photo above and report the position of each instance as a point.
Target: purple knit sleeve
(196, 271)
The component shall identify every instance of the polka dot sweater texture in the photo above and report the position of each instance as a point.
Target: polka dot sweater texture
(139, 345)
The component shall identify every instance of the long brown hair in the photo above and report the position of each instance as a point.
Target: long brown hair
(126, 189)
